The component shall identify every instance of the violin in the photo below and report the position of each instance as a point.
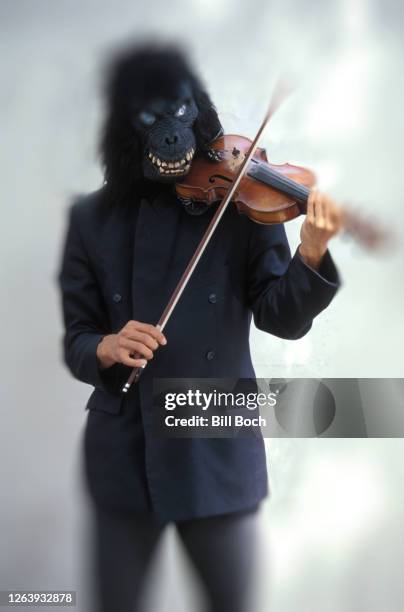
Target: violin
(238, 171)
(268, 193)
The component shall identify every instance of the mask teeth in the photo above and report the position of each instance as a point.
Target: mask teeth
(190, 154)
(168, 168)
(173, 171)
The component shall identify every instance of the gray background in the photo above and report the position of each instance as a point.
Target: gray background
(331, 534)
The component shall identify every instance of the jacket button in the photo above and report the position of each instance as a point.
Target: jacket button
(210, 355)
(212, 298)
(117, 297)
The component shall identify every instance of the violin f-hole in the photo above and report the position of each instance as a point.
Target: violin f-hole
(213, 178)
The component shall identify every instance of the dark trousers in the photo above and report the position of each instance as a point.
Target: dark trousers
(221, 548)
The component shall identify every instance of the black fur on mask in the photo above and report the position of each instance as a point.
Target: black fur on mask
(158, 116)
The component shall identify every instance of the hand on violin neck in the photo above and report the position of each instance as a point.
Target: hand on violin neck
(323, 221)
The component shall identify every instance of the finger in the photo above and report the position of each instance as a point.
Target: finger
(327, 211)
(150, 329)
(132, 346)
(318, 210)
(310, 206)
(337, 217)
(134, 362)
(333, 216)
(146, 339)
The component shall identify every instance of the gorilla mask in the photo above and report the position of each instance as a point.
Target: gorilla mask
(165, 128)
(158, 117)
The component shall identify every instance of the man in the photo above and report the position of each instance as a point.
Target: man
(125, 249)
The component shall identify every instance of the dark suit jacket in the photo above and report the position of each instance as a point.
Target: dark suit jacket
(117, 266)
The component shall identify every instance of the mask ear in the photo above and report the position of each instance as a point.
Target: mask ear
(207, 125)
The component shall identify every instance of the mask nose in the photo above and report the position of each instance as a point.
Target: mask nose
(171, 139)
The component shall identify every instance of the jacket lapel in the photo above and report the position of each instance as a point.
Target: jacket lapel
(155, 251)
(143, 256)
(166, 238)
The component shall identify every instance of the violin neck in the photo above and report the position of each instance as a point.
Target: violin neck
(366, 232)
(280, 182)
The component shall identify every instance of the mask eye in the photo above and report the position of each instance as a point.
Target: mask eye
(147, 118)
(181, 110)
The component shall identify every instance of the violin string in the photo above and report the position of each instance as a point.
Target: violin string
(295, 189)
(276, 178)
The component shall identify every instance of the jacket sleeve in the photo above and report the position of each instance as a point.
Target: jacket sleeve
(84, 313)
(284, 293)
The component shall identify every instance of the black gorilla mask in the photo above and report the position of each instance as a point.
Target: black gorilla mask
(165, 128)
(158, 115)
